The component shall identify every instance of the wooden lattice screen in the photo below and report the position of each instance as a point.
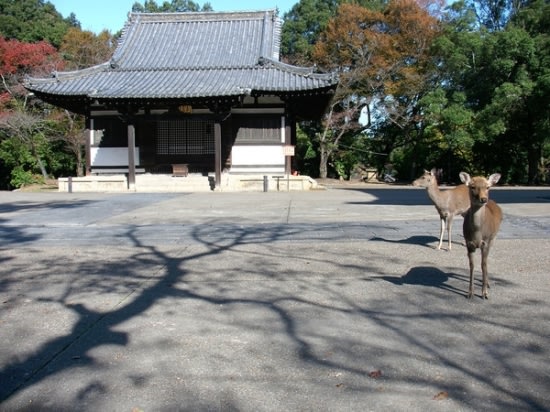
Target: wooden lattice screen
(185, 136)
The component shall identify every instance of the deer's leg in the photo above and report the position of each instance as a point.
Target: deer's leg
(449, 228)
(484, 255)
(471, 256)
(441, 231)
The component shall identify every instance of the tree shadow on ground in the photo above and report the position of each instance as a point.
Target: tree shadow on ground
(13, 235)
(147, 291)
(93, 329)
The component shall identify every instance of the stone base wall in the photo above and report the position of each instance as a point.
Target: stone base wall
(166, 183)
(111, 183)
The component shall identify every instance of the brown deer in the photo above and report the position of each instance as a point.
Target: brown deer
(481, 224)
(448, 203)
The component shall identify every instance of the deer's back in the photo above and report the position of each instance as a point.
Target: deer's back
(452, 201)
(462, 198)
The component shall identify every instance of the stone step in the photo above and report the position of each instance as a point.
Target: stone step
(168, 183)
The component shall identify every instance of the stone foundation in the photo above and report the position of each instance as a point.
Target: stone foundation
(156, 183)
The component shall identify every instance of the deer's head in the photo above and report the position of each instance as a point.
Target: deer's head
(426, 180)
(479, 186)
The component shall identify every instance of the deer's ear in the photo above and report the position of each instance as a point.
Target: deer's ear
(493, 179)
(465, 178)
(433, 171)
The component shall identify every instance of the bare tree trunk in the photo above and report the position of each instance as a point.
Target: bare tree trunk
(39, 162)
(324, 152)
(41, 166)
(323, 163)
(79, 164)
(534, 155)
(75, 140)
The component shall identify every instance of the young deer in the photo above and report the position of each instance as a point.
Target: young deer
(481, 224)
(448, 203)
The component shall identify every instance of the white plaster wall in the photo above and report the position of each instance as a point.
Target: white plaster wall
(112, 156)
(255, 159)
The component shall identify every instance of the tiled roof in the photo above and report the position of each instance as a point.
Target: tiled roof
(190, 55)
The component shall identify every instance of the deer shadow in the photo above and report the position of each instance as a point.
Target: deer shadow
(427, 276)
(418, 240)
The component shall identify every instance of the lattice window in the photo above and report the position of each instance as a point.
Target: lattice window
(186, 136)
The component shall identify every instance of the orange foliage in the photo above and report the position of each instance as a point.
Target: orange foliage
(379, 51)
(83, 48)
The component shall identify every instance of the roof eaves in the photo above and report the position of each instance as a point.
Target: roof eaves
(303, 71)
(70, 75)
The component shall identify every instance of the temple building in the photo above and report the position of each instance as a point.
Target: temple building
(192, 93)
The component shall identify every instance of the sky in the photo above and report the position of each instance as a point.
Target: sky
(97, 15)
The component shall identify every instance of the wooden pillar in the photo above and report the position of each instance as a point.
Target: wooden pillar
(131, 156)
(218, 151)
(288, 141)
(89, 143)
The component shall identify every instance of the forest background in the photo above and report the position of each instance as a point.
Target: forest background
(423, 84)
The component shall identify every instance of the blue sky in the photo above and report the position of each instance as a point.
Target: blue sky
(96, 15)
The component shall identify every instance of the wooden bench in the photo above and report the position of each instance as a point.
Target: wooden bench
(180, 170)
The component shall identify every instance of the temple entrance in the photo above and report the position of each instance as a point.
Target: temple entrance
(187, 141)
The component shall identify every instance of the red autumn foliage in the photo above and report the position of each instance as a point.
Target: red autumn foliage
(19, 58)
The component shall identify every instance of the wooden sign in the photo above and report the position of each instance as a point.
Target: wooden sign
(288, 150)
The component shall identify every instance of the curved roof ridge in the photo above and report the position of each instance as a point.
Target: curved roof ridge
(198, 15)
(69, 75)
(305, 71)
(187, 69)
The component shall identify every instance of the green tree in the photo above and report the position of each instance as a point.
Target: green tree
(503, 75)
(306, 157)
(67, 131)
(19, 164)
(302, 27)
(33, 144)
(448, 136)
(26, 132)
(533, 81)
(23, 133)
(33, 20)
